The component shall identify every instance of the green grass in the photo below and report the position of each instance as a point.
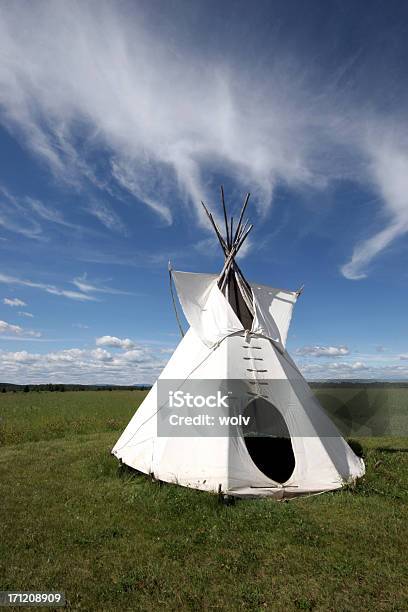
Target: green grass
(35, 416)
(112, 540)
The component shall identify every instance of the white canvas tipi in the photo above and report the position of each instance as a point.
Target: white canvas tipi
(237, 335)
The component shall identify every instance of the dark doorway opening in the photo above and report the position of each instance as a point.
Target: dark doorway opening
(268, 440)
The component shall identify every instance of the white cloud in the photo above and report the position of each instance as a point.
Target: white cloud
(138, 259)
(96, 366)
(13, 302)
(82, 283)
(115, 342)
(80, 325)
(167, 350)
(357, 365)
(95, 76)
(389, 171)
(323, 351)
(404, 357)
(65, 356)
(335, 370)
(29, 315)
(137, 185)
(101, 355)
(13, 215)
(22, 215)
(86, 288)
(135, 355)
(107, 217)
(73, 295)
(355, 371)
(9, 328)
(99, 366)
(47, 213)
(18, 357)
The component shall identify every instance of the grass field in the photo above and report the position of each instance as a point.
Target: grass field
(72, 521)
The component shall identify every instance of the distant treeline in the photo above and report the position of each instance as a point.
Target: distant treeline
(11, 388)
(383, 384)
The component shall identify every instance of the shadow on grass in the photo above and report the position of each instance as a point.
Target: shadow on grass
(125, 472)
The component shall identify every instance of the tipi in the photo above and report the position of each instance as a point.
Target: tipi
(288, 446)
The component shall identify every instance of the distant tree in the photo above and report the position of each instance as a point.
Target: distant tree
(26, 389)
(4, 390)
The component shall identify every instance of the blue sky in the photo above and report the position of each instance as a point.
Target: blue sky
(117, 118)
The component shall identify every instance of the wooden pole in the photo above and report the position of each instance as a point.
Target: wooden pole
(225, 218)
(227, 263)
(230, 247)
(217, 231)
(243, 238)
(241, 231)
(241, 215)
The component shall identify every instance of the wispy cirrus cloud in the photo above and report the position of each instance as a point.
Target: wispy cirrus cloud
(47, 212)
(107, 216)
(169, 116)
(25, 215)
(140, 185)
(14, 302)
(52, 289)
(83, 284)
(137, 259)
(14, 218)
(85, 292)
(389, 172)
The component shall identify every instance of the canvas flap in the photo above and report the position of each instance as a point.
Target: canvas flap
(273, 311)
(212, 318)
(205, 307)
